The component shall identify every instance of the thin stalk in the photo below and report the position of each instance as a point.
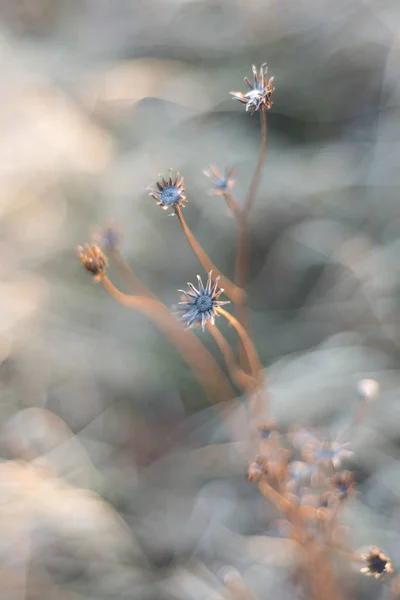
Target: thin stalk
(134, 285)
(242, 256)
(240, 378)
(248, 203)
(251, 352)
(232, 204)
(203, 365)
(232, 291)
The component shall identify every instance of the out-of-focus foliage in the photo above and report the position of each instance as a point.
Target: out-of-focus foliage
(119, 480)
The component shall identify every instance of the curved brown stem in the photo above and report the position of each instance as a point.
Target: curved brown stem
(231, 290)
(248, 203)
(203, 365)
(242, 257)
(232, 204)
(134, 285)
(240, 378)
(251, 352)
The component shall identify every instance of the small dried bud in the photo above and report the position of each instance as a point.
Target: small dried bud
(377, 564)
(93, 259)
(342, 485)
(266, 429)
(255, 471)
(108, 236)
(368, 389)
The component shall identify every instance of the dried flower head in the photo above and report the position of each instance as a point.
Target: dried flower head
(266, 429)
(260, 92)
(201, 304)
(255, 472)
(342, 485)
(377, 564)
(221, 182)
(107, 236)
(315, 447)
(93, 259)
(170, 193)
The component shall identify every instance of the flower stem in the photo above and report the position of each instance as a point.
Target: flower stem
(251, 352)
(134, 285)
(203, 365)
(242, 256)
(231, 290)
(240, 378)
(232, 204)
(248, 203)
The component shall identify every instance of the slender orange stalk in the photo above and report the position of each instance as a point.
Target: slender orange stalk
(134, 285)
(203, 365)
(232, 204)
(248, 203)
(231, 290)
(251, 352)
(240, 378)
(242, 258)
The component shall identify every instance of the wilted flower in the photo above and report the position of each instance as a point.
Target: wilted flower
(266, 429)
(93, 259)
(342, 484)
(108, 236)
(202, 303)
(260, 92)
(318, 449)
(170, 193)
(377, 564)
(255, 471)
(222, 182)
(300, 475)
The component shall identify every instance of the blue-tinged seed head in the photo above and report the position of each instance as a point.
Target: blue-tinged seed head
(170, 192)
(201, 305)
(259, 95)
(222, 183)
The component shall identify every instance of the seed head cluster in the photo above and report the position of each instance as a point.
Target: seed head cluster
(300, 470)
(259, 95)
(377, 564)
(201, 305)
(221, 182)
(170, 192)
(93, 259)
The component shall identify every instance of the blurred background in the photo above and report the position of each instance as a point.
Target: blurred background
(118, 479)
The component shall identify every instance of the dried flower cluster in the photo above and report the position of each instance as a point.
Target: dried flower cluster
(260, 92)
(377, 564)
(93, 259)
(201, 305)
(170, 192)
(301, 471)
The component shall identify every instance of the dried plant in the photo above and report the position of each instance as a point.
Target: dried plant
(299, 472)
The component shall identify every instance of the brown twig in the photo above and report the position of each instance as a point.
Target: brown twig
(245, 382)
(203, 365)
(232, 204)
(231, 290)
(251, 352)
(242, 256)
(134, 285)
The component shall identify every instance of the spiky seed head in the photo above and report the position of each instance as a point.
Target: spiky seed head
(170, 192)
(93, 259)
(107, 236)
(377, 564)
(201, 305)
(260, 92)
(222, 183)
(342, 485)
